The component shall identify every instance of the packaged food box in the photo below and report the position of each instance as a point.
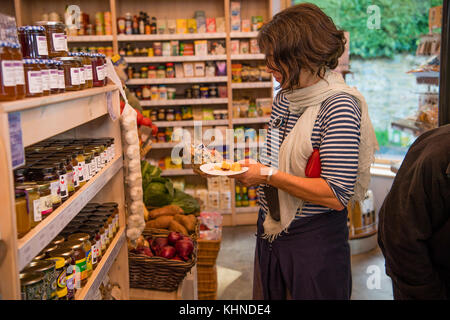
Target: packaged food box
(181, 26)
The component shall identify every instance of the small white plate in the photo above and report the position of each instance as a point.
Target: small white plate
(208, 168)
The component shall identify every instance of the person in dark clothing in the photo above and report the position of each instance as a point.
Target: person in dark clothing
(414, 220)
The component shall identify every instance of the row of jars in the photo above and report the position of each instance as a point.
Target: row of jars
(53, 173)
(64, 266)
(41, 77)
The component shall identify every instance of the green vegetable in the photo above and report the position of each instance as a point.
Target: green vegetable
(159, 192)
(148, 172)
(185, 202)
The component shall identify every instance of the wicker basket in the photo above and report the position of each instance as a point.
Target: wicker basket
(156, 273)
(206, 283)
(207, 252)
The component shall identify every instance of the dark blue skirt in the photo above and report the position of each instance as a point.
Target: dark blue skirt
(311, 261)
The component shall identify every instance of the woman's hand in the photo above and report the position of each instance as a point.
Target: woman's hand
(255, 175)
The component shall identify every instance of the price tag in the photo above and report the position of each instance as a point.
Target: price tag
(15, 140)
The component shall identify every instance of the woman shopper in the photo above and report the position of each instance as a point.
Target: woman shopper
(302, 249)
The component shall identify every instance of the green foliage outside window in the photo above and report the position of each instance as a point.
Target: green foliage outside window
(401, 24)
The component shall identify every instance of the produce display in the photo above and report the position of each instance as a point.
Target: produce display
(175, 247)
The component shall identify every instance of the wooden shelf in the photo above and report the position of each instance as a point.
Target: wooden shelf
(106, 38)
(252, 85)
(190, 123)
(183, 102)
(247, 209)
(252, 34)
(90, 289)
(176, 80)
(258, 56)
(177, 36)
(161, 59)
(251, 120)
(40, 236)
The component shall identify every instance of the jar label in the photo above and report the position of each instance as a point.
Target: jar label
(75, 180)
(103, 240)
(19, 73)
(88, 71)
(46, 205)
(34, 81)
(70, 281)
(37, 211)
(104, 157)
(42, 45)
(92, 168)
(81, 73)
(75, 76)
(80, 171)
(80, 272)
(99, 162)
(100, 74)
(61, 79)
(94, 253)
(59, 41)
(62, 281)
(70, 181)
(8, 73)
(63, 187)
(55, 191)
(89, 260)
(45, 79)
(54, 79)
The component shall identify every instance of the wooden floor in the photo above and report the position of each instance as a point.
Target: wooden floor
(235, 268)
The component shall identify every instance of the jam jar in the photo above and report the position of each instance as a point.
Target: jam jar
(61, 76)
(33, 79)
(33, 41)
(18, 67)
(45, 76)
(87, 69)
(56, 38)
(80, 64)
(71, 73)
(53, 74)
(7, 73)
(97, 70)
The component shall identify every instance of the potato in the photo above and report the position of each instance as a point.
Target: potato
(176, 226)
(187, 221)
(159, 223)
(169, 210)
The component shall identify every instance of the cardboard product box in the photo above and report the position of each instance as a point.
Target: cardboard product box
(181, 26)
(199, 69)
(213, 184)
(188, 69)
(235, 46)
(201, 47)
(220, 24)
(245, 25)
(210, 25)
(179, 71)
(235, 23)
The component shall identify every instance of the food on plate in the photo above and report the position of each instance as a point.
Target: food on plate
(226, 166)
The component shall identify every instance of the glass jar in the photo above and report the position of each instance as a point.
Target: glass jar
(154, 115)
(212, 91)
(87, 166)
(80, 168)
(33, 42)
(79, 257)
(146, 93)
(161, 72)
(45, 76)
(155, 93)
(170, 115)
(144, 72)
(31, 285)
(161, 115)
(204, 92)
(53, 74)
(19, 71)
(67, 253)
(56, 38)
(19, 175)
(61, 76)
(97, 70)
(61, 264)
(85, 238)
(104, 69)
(87, 69)
(58, 240)
(48, 269)
(151, 72)
(79, 62)
(50, 248)
(22, 217)
(33, 203)
(71, 73)
(74, 163)
(46, 173)
(171, 92)
(7, 73)
(170, 71)
(195, 91)
(45, 196)
(162, 92)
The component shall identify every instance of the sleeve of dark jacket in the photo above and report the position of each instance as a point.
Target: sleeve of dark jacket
(414, 212)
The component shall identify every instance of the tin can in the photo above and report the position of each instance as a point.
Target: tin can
(31, 285)
(47, 268)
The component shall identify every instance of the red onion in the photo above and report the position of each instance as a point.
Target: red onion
(158, 244)
(173, 237)
(184, 248)
(168, 252)
(177, 258)
(148, 252)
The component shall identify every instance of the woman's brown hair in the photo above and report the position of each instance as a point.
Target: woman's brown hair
(302, 36)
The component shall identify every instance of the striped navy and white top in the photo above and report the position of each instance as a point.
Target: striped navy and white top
(336, 134)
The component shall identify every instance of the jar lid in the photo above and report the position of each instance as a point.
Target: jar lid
(62, 251)
(29, 278)
(27, 187)
(19, 193)
(43, 186)
(110, 204)
(51, 247)
(40, 256)
(72, 244)
(50, 23)
(66, 59)
(60, 262)
(58, 239)
(39, 265)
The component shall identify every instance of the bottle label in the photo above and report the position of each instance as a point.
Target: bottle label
(104, 157)
(63, 187)
(62, 281)
(42, 45)
(45, 79)
(37, 212)
(46, 205)
(59, 41)
(61, 79)
(89, 260)
(34, 81)
(55, 191)
(70, 281)
(99, 162)
(8, 73)
(103, 240)
(94, 253)
(88, 71)
(80, 171)
(80, 272)
(100, 74)
(81, 73)
(54, 79)
(92, 168)
(75, 76)
(19, 73)
(70, 181)
(75, 179)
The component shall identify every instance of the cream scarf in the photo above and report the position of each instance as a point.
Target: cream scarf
(297, 148)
